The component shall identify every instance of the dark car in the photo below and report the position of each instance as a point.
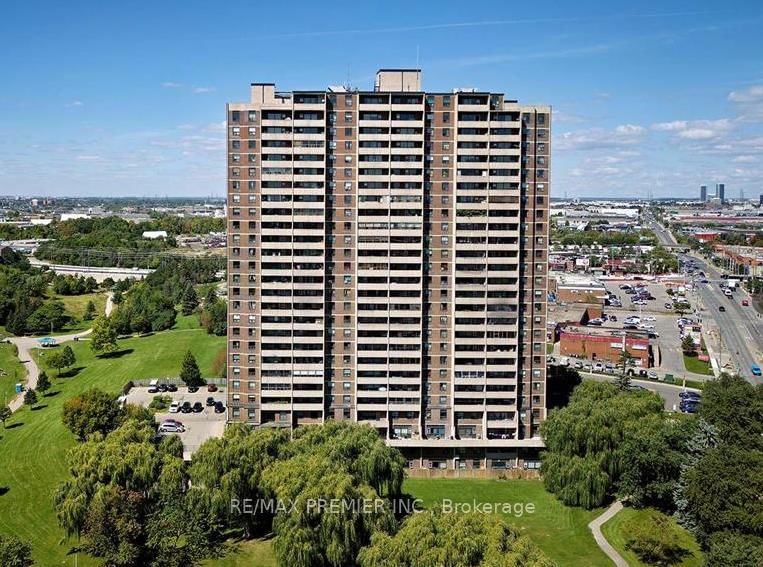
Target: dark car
(172, 388)
(689, 396)
(211, 387)
(198, 408)
(186, 407)
(613, 317)
(219, 407)
(211, 401)
(193, 389)
(162, 387)
(721, 308)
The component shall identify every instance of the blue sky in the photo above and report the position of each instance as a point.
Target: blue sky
(128, 98)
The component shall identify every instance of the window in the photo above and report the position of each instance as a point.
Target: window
(446, 145)
(348, 145)
(446, 132)
(446, 116)
(235, 116)
(348, 131)
(347, 172)
(348, 117)
(446, 101)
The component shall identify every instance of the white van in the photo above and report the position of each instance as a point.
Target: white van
(153, 386)
(175, 406)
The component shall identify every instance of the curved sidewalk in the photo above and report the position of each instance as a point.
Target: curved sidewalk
(601, 541)
(25, 346)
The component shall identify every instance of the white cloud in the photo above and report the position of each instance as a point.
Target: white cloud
(88, 157)
(750, 94)
(599, 138)
(75, 104)
(171, 85)
(745, 159)
(749, 103)
(696, 129)
(203, 90)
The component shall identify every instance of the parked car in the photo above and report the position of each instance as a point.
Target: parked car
(153, 387)
(652, 375)
(175, 406)
(578, 365)
(211, 387)
(172, 388)
(173, 420)
(689, 395)
(162, 388)
(755, 369)
(170, 428)
(198, 407)
(210, 401)
(668, 306)
(721, 308)
(654, 335)
(650, 318)
(688, 407)
(193, 389)
(642, 373)
(613, 317)
(596, 322)
(703, 280)
(219, 407)
(745, 302)
(186, 407)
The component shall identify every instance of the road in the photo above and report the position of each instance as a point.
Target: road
(96, 272)
(738, 329)
(668, 392)
(25, 346)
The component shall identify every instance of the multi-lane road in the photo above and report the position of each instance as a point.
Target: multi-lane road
(737, 329)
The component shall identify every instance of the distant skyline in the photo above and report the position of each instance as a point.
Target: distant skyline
(102, 99)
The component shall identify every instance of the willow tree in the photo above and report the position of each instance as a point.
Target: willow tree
(433, 539)
(117, 492)
(583, 457)
(226, 475)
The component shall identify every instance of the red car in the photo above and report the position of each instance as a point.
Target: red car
(745, 302)
(211, 388)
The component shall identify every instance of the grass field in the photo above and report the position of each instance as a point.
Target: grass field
(11, 371)
(560, 531)
(617, 529)
(32, 457)
(693, 364)
(75, 308)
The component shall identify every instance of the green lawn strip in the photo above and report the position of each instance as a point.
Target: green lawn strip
(75, 308)
(11, 372)
(560, 531)
(253, 553)
(617, 529)
(693, 364)
(32, 454)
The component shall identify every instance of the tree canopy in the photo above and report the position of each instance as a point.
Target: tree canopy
(434, 539)
(583, 457)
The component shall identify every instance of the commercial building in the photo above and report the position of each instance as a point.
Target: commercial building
(388, 265)
(703, 193)
(578, 288)
(602, 345)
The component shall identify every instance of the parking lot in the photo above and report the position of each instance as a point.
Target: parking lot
(198, 426)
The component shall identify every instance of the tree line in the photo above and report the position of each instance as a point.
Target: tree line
(130, 499)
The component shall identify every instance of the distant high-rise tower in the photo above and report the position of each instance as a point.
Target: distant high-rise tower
(387, 264)
(703, 193)
(720, 192)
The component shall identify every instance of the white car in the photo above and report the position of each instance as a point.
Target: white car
(175, 407)
(650, 318)
(169, 427)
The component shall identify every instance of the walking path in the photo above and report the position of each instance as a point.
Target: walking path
(25, 346)
(601, 541)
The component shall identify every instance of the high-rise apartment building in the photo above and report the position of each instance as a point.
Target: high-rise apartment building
(703, 193)
(388, 265)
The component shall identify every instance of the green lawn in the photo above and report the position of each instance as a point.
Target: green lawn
(11, 371)
(693, 364)
(616, 531)
(33, 450)
(254, 553)
(560, 531)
